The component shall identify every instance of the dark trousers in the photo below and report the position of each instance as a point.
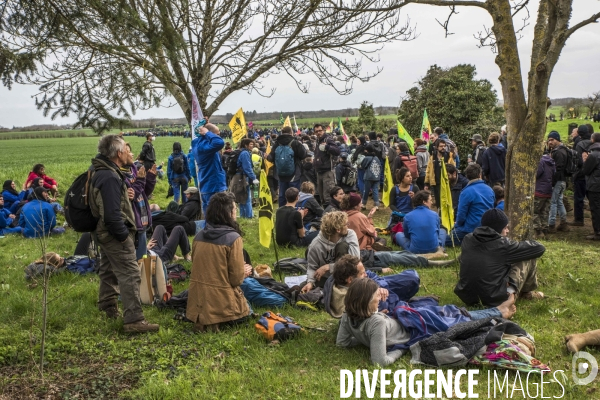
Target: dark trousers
(83, 245)
(283, 186)
(594, 198)
(578, 197)
(166, 246)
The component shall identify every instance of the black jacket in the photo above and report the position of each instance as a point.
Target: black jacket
(147, 153)
(559, 155)
(456, 189)
(359, 150)
(493, 164)
(323, 160)
(591, 169)
(299, 155)
(485, 262)
(170, 220)
(191, 208)
(582, 146)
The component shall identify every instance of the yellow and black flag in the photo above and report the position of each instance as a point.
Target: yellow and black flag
(265, 211)
(238, 126)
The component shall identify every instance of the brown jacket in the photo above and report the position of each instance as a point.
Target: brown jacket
(431, 165)
(217, 272)
(363, 226)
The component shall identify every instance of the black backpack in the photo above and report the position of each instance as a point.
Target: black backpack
(572, 165)
(292, 265)
(76, 205)
(350, 176)
(232, 162)
(178, 163)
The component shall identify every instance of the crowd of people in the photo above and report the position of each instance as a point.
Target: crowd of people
(322, 183)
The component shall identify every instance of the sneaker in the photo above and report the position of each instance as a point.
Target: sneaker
(378, 246)
(531, 295)
(140, 327)
(112, 312)
(576, 223)
(595, 236)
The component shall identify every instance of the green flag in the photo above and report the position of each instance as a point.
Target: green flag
(281, 118)
(403, 134)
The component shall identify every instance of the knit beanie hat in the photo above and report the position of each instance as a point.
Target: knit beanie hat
(495, 219)
(354, 199)
(554, 135)
(582, 131)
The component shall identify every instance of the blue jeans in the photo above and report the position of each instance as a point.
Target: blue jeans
(246, 208)
(361, 181)
(141, 249)
(283, 186)
(405, 243)
(458, 236)
(556, 203)
(179, 186)
(371, 185)
(487, 313)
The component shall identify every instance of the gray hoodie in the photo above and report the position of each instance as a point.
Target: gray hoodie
(322, 251)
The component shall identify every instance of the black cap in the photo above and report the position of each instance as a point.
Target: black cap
(495, 219)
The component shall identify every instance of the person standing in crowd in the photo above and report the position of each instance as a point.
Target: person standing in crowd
(422, 230)
(215, 299)
(287, 154)
(372, 167)
(457, 183)
(494, 160)
(192, 166)
(474, 201)
(116, 230)
(244, 168)
(558, 152)
(211, 175)
(406, 160)
(344, 173)
(148, 156)
(581, 144)
(591, 171)
(479, 148)
(357, 158)
(543, 195)
(178, 172)
(493, 268)
(422, 160)
(504, 137)
(434, 169)
(325, 152)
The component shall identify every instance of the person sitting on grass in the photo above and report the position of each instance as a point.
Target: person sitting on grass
(7, 220)
(402, 194)
(361, 224)
(389, 333)
(493, 267)
(12, 198)
(307, 201)
(39, 182)
(39, 171)
(336, 240)
(37, 216)
(393, 288)
(336, 194)
(499, 197)
(166, 246)
(289, 228)
(215, 299)
(422, 231)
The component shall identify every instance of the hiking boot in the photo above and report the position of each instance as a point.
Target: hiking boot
(140, 327)
(595, 236)
(551, 228)
(112, 312)
(576, 223)
(439, 263)
(531, 295)
(564, 227)
(378, 246)
(539, 235)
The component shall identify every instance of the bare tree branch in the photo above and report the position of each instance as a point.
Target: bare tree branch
(593, 19)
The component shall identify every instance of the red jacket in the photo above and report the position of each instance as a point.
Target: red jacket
(48, 182)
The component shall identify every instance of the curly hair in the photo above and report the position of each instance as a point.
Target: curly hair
(332, 222)
(307, 187)
(400, 174)
(344, 268)
(219, 211)
(359, 295)
(37, 168)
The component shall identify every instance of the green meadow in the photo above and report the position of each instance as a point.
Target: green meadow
(88, 356)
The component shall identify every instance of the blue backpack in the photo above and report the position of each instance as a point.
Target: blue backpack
(284, 160)
(81, 264)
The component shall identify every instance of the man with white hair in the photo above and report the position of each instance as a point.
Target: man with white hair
(504, 137)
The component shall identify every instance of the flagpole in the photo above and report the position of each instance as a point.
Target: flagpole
(276, 254)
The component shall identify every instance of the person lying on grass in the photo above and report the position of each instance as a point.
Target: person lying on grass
(363, 322)
(336, 240)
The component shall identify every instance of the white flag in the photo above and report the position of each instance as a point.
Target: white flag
(197, 116)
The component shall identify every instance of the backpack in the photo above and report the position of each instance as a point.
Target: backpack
(350, 176)
(284, 160)
(81, 264)
(178, 163)
(410, 162)
(292, 265)
(572, 165)
(176, 272)
(276, 327)
(378, 148)
(232, 162)
(373, 170)
(76, 204)
(153, 287)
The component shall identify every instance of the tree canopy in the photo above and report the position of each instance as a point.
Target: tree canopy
(454, 100)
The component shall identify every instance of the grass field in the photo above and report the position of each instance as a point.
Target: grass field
(88, 356)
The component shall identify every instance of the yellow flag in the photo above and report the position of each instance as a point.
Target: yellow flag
(446, 200)
(265, 211)
(238, 126)
(388, 183)
(268, 164)
(287, 122)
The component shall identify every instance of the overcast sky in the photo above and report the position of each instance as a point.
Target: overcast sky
(577, 73)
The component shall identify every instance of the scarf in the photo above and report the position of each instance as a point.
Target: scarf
(8, 188)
